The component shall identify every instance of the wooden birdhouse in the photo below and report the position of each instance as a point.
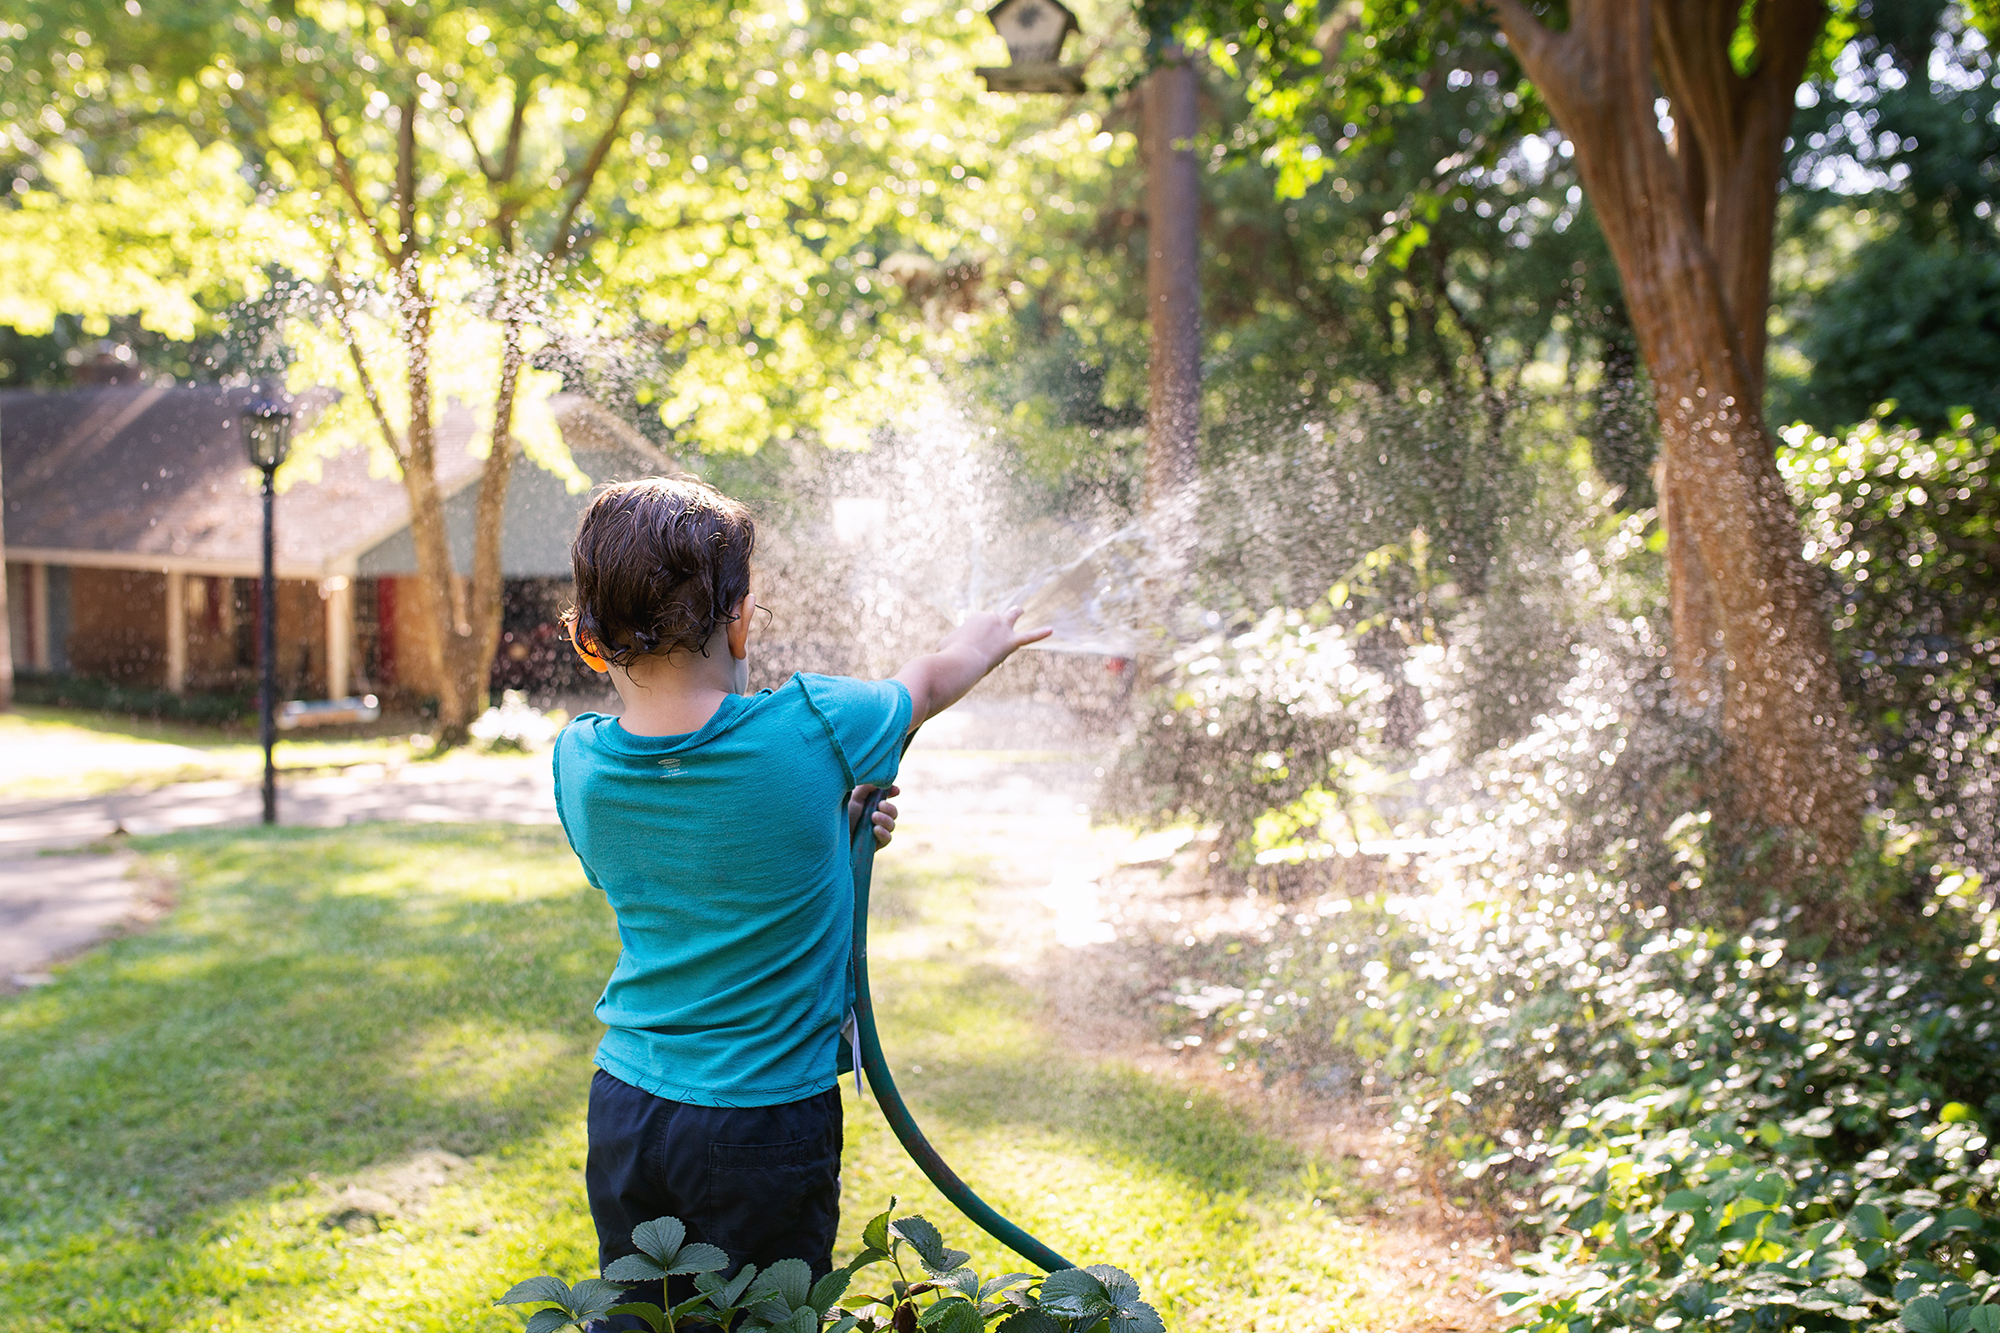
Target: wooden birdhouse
(1034, 31)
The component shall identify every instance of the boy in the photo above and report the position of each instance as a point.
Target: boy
(713, 822)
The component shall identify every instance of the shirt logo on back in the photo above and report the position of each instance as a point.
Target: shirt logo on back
(670, 767)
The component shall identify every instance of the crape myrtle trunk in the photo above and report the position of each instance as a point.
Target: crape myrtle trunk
(1690, 226)
(466, 614)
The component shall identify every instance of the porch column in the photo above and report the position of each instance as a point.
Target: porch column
(339, 595)
(177, 632)
(40, 655)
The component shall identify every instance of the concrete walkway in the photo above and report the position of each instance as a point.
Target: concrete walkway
(52, 906)
(513, 793)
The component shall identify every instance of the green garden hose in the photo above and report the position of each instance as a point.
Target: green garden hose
(877, 1068)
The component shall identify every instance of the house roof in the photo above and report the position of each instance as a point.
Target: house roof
(150, 477)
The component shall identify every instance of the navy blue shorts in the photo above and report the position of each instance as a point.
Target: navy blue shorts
(762, 1182)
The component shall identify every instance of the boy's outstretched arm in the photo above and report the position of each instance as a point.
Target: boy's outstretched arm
(939, 679)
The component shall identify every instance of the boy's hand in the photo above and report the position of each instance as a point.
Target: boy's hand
(991, 636)
(885, 812)
(938, 680)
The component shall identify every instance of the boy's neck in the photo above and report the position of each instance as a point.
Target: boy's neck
(677, 694)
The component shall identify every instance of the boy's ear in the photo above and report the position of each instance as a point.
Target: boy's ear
(739, 628)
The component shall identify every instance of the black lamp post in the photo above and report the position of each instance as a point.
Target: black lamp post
(267, 434)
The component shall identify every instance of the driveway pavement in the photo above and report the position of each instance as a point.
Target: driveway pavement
(51, 906)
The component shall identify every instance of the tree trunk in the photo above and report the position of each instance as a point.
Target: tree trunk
(1691, 233)
(471, 656)
(1173, 289)
(6, 625)
(428, 532)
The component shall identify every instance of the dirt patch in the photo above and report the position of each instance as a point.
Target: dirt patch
(388, 1191)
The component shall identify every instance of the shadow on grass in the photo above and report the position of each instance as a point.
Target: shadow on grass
(988, 1061)
(317, 1002)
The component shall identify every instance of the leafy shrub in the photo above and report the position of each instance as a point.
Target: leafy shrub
(1708, 1129)
(1907, 528)
(943, 1294)
(515, 727)
(103, 696)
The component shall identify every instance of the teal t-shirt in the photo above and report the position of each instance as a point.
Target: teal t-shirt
(724, 853)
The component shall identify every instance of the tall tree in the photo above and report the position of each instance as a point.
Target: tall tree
(435, 152)
(1687, 202)
(1691, 222)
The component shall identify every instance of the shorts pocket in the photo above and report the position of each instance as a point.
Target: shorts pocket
(763, 1156)
(766, 1201)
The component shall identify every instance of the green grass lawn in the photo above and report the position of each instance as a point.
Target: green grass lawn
(180, 1110)
(56, 752)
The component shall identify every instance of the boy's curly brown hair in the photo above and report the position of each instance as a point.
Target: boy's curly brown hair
(661, 564)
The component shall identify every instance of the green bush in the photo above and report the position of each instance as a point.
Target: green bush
(1907, 528)
(103, 696)
(1706, 1128)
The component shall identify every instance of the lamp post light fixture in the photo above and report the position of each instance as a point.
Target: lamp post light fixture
(1034, 31)
(267, 436)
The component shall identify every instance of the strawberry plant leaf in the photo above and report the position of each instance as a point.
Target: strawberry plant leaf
(876, 1234)
(548, 1321)
(994, 1286)
(1076, 1295)
(951, 1315)
(869, 1255)
(1129, 1314)
(543, 1288)
(1028, 1321)
(936, 1257)
(593, 1296)
(1118, 1284)
(829, 1289)
(634, 1268)
(698, 1258)
(691, 1303)
(1136, 1317)
(660, 1239)
(650, 1314)
(789, 1280)
(733, 1291)
(1926, 1314)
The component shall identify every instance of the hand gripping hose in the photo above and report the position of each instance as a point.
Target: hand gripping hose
(877, 1069)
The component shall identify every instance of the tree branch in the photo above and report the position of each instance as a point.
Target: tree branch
(406, 174)
(559, 244)
(506, 204)
(1537, 46)
(343, 174)
(369, 393)
(486, 169)
(510, 160)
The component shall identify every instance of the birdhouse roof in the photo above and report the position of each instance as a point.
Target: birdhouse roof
(996, 14)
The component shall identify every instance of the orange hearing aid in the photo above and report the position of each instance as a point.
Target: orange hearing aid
(590, 659)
